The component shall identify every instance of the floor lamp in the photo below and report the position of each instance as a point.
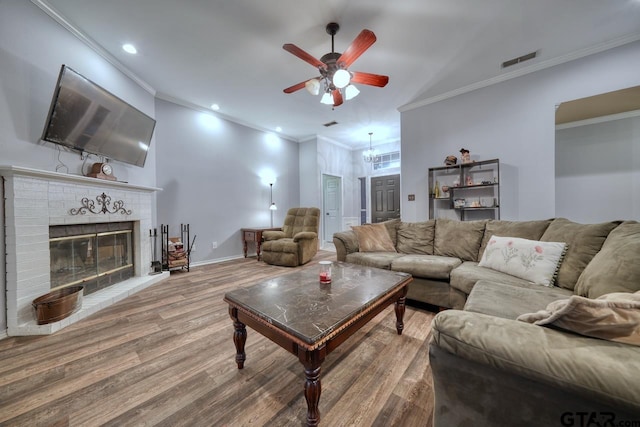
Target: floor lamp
(273, 206)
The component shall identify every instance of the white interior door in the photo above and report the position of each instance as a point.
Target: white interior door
(332, 205)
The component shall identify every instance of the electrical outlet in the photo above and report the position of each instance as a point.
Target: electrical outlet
(214, 245)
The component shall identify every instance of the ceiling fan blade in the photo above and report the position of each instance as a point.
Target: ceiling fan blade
(361, 43)
(295, 50)
(337, 97)
(295, 87)
(369, 79)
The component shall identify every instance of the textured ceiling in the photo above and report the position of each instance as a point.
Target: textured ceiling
(230, 52)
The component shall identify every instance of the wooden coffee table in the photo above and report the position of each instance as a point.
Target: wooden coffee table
(309, 319)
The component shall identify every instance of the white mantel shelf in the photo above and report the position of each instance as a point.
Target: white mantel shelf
(37, 173)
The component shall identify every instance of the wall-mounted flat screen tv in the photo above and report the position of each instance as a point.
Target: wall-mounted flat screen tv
(86, 117)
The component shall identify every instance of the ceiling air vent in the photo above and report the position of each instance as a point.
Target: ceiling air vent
(330, 124)
(519, 59)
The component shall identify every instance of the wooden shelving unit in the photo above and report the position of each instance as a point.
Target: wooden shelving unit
(473, 191)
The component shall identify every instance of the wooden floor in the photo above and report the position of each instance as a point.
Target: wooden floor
(165, 356)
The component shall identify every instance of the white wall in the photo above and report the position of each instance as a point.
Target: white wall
(513, 121)
(335, 160)
(309, 173)
(598, 171)
(32, 49)
(211, 171)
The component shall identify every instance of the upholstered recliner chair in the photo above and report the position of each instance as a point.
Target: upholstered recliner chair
(297, 243)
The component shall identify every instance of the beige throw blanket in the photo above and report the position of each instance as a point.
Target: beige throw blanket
(614, 317)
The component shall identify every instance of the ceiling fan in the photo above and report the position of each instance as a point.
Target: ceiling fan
(333, 67)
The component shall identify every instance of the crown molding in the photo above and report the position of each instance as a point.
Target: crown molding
(69, 26)
(581, 53)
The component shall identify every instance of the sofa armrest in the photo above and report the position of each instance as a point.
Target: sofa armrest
(596, 369)
(305, 235)
(346, 242)
(273, 235)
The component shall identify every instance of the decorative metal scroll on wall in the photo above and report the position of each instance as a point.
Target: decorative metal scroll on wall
(104, 200)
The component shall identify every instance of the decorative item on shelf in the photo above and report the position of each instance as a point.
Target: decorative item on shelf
(450, 160)
(465, 157)
(487, 182)
(456, 182)
(476, 204)
(445, 191)
(459, 203)
(436, 190)
(469, 180)
(102, 171)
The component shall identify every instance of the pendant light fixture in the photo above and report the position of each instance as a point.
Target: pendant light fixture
(370, 155)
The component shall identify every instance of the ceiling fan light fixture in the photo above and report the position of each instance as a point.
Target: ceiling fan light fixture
(351, 92)
(341, 78)
(335, 78)
(327, 98)
(313, 86)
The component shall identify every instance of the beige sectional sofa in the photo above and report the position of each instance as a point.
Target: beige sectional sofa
(491, 369)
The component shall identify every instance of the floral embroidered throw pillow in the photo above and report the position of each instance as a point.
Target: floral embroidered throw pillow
(535, 261)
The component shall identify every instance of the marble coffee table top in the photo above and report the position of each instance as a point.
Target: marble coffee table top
(299, 304)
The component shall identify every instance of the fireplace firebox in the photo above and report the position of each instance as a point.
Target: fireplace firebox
(95, 256)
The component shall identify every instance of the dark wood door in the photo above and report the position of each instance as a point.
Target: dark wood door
(385, 198)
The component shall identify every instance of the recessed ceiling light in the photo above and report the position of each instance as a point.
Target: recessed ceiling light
(129, 48)
(278, 129)
(215, 107)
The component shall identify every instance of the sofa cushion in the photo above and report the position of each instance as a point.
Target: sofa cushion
(468, 273)
(373, 259)
(459, 239)
(531, 260)
(545, 355)
(531, 230)
(373, 238)
(583, 243)
(614, 317)
(509, 301)
(416, 237)
(392, 227)
(615, 268)
(426, 266)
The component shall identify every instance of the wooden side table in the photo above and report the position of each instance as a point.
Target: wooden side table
(254, 235)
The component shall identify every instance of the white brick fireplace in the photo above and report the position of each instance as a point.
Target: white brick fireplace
(35, 200)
